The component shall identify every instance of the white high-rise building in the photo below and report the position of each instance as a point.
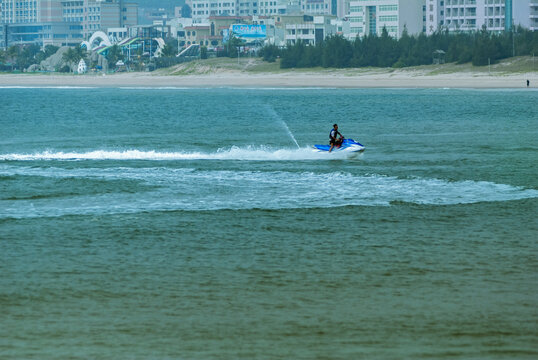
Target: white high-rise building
(472, 15)
(371, 16)
(533, 15)
(22, 12)
(342, 8)
(272, 7)
(203, 9)
(247, 7)
(316, 7)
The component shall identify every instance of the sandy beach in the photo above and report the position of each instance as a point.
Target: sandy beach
(328, 79)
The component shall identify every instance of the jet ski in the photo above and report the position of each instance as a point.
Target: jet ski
(348, 145)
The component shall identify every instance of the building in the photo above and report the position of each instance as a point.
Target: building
(40, 22)
(317, 7)
(340, 8)
(198, 34)
(43, 34)
(246, 8)
(473, 15)
(308, 29)
(20, 12)
(270, 8)
(61, 22)
(533, 15)
(203, 9)
(102, 15)
(371, 16)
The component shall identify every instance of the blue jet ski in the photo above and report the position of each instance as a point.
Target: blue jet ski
(348, 145)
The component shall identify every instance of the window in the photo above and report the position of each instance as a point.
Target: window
(388, 18)
(388, 7)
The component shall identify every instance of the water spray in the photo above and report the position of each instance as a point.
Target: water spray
(277, 117)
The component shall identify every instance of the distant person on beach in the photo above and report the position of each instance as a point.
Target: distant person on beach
(528, 82)
(334, 140)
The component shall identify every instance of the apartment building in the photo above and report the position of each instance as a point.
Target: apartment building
(203, 9)
(317, 7)
(102, 15)
(61, 22)
(340, 8)
(269, 8)
(23, 12)
(533, 15)
(472, 15)
(308, 29)
(371, 16)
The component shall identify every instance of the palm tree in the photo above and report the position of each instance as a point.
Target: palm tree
(12, 53)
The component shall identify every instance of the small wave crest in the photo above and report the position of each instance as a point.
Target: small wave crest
(252, 153)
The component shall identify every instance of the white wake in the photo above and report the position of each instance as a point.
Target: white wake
(260, 153)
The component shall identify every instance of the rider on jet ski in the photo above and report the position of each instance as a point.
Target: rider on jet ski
(333, 137)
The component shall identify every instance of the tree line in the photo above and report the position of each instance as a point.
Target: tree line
(21, 57)
(480, 48)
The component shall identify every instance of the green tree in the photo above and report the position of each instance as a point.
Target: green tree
(482, 48)
(292, 55)
(372, 50)
(269, 53)
(114, 55)
(388, 52)
(233, 45)
(50, 50)
(405, 44)
(337, 52)
(186, 11)
(2, 57)
(12, 54)
(71, 57)
(168, 51)
(203, 52)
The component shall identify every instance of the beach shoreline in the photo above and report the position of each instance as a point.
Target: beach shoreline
(291, 79)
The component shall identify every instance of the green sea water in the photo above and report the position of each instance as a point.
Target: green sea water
(178, 223)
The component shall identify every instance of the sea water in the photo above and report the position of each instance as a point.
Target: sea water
(199, 224)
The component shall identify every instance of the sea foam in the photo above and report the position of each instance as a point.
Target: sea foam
(252, 153)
